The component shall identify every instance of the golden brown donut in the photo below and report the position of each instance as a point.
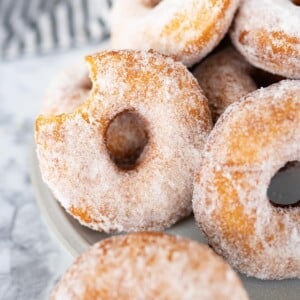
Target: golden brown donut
(68, 90)
(267, 33)
(225, 77)
(187, 30)
(83, 173)
(149, 266)
(251, 141)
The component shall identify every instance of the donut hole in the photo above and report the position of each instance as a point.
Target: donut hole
(284, 188)
(150, 3)
(264, 79)
(126, 137)
(86, 83)
(296, 2)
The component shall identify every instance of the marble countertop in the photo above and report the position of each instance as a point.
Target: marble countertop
(31, 261)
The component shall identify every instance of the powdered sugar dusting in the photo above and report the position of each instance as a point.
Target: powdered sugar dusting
(224, 78)
(74, 159)
(267, 33)
(251, 141)
(187, 30)
(149, 266)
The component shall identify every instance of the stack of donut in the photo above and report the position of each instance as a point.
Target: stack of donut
(130, 146)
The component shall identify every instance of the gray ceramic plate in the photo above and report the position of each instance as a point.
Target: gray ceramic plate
(77, 238)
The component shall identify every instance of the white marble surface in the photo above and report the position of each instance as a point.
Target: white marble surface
(31, 261)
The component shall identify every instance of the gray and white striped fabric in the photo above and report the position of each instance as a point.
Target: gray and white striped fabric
(30, 27)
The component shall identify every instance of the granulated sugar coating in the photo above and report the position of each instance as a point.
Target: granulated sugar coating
(251, 141)
(149, 266)
(267, 33)
(225, 78)
(77, 167)
(187, 30)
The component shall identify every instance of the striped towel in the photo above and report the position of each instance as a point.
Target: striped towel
(29, 27)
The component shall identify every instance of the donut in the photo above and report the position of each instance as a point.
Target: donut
(81, 168)
(68, 90)
(150, 3)
(267, 33)
(225, 77)
(149, 266)
(187, 30)
(251, 141)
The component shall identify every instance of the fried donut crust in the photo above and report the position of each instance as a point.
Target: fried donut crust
(187, 30)
(267, 33)
(251, 141)
(149, 266)
(225, 78)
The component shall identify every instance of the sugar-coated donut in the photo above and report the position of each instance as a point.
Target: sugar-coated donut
(149, 266)
(187, 30)
(251, 141)
(267, 33)
(68, 90)
(225, 77)
(78, 165)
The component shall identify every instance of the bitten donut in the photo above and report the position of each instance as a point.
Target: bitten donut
(251, 141)
(267, 33)
(187, 30)
(83, 171)
(149, 266)
(225, 77)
